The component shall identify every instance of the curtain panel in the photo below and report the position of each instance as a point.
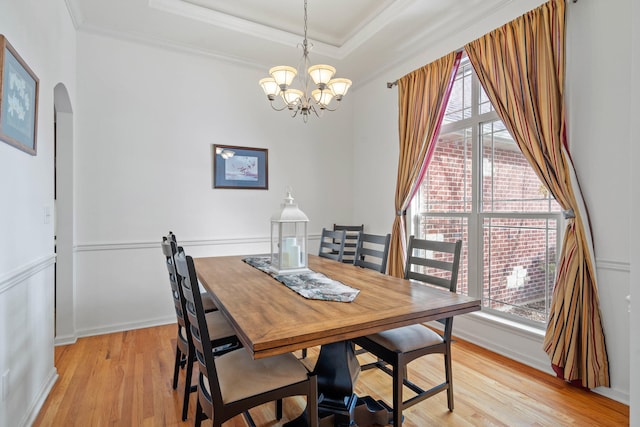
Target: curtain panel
(422, 100)
(521, 66)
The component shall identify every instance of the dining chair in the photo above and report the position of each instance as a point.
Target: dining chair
(434, 263)
(332, 244)
(371, 251)
(233, 383)
(223, 339)
(351, 238)
(207, 300)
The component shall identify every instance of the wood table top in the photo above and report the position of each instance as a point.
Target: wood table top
(271, 319)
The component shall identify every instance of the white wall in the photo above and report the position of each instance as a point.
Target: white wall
(145, 119)
(598, 96)
(148, 117)
(43, 35)
(598, 89)
(634, 158)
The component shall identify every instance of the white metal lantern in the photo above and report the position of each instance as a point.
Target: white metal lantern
(289, 238)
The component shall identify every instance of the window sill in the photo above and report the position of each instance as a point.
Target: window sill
(512, 326)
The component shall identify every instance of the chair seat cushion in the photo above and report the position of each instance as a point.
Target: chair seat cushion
(240, 376)
(407, 338)
(218, 326)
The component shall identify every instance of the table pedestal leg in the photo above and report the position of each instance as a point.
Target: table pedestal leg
(337, 369)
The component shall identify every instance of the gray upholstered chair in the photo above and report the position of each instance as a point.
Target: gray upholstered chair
(372, 251)
(435, 263)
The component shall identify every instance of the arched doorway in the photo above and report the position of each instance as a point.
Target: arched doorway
(64, 227)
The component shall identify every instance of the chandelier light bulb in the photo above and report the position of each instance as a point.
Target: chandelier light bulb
(270, 87)
(321, 74)
(292, 96)
(322, 97)
(339, 87)
(283, 75)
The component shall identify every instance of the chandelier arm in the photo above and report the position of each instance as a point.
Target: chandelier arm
(326, 107)
(278, 109)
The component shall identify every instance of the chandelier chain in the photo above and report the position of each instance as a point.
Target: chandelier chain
(304, 42)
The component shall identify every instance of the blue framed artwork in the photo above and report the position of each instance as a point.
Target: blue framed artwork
(18, 100)
(240, 167)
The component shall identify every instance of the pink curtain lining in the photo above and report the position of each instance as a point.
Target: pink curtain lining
(432, 144)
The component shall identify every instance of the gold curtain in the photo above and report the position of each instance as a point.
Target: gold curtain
(422, 99)
(522, 69)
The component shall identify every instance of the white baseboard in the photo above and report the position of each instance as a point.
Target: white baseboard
(108, 329)
(516, 337)
(37, 404)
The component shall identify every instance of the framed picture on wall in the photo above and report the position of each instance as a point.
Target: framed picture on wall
(240, 167)
(18, 100)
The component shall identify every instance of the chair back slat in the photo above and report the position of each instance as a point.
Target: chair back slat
(199, 330)
(332, 244)
(351, 240)
(432, 280)
(372, 252)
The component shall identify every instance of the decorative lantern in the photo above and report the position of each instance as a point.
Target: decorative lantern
(289, 238)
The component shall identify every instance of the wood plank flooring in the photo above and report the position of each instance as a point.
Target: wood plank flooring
(124, 379)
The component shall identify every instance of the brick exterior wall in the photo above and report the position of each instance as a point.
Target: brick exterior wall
(516, 271)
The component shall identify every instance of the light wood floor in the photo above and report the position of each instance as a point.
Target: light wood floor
(124, 379)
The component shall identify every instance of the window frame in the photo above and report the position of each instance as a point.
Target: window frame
(476, 216)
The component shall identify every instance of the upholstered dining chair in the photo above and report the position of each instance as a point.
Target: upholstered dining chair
(207, 300)
(351, 238)
(372, 251)
(223, 338)
(332, 244)
(233, 383)
(435, 263)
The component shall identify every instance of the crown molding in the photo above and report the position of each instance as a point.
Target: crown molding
(276, 35)
(159, 43)
(77, 18)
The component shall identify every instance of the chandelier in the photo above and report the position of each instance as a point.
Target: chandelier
(303, 102)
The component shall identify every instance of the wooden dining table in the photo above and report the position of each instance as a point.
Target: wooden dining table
(271, 319)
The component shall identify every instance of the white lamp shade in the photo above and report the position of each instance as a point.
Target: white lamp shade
(321, 73)
(283, 74)
(269, 86)
(292, 96)
(339, 86)
(322, 97)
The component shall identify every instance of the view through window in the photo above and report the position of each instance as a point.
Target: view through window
(479, 188)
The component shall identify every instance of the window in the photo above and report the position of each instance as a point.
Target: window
(480, 188)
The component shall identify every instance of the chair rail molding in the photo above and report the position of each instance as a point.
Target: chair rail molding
(19, 275)
(607, 264)
(132, 245)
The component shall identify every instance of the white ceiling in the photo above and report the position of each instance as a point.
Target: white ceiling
(356, 36)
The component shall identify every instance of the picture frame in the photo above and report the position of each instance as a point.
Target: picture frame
(240, 167)
(18, 100)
